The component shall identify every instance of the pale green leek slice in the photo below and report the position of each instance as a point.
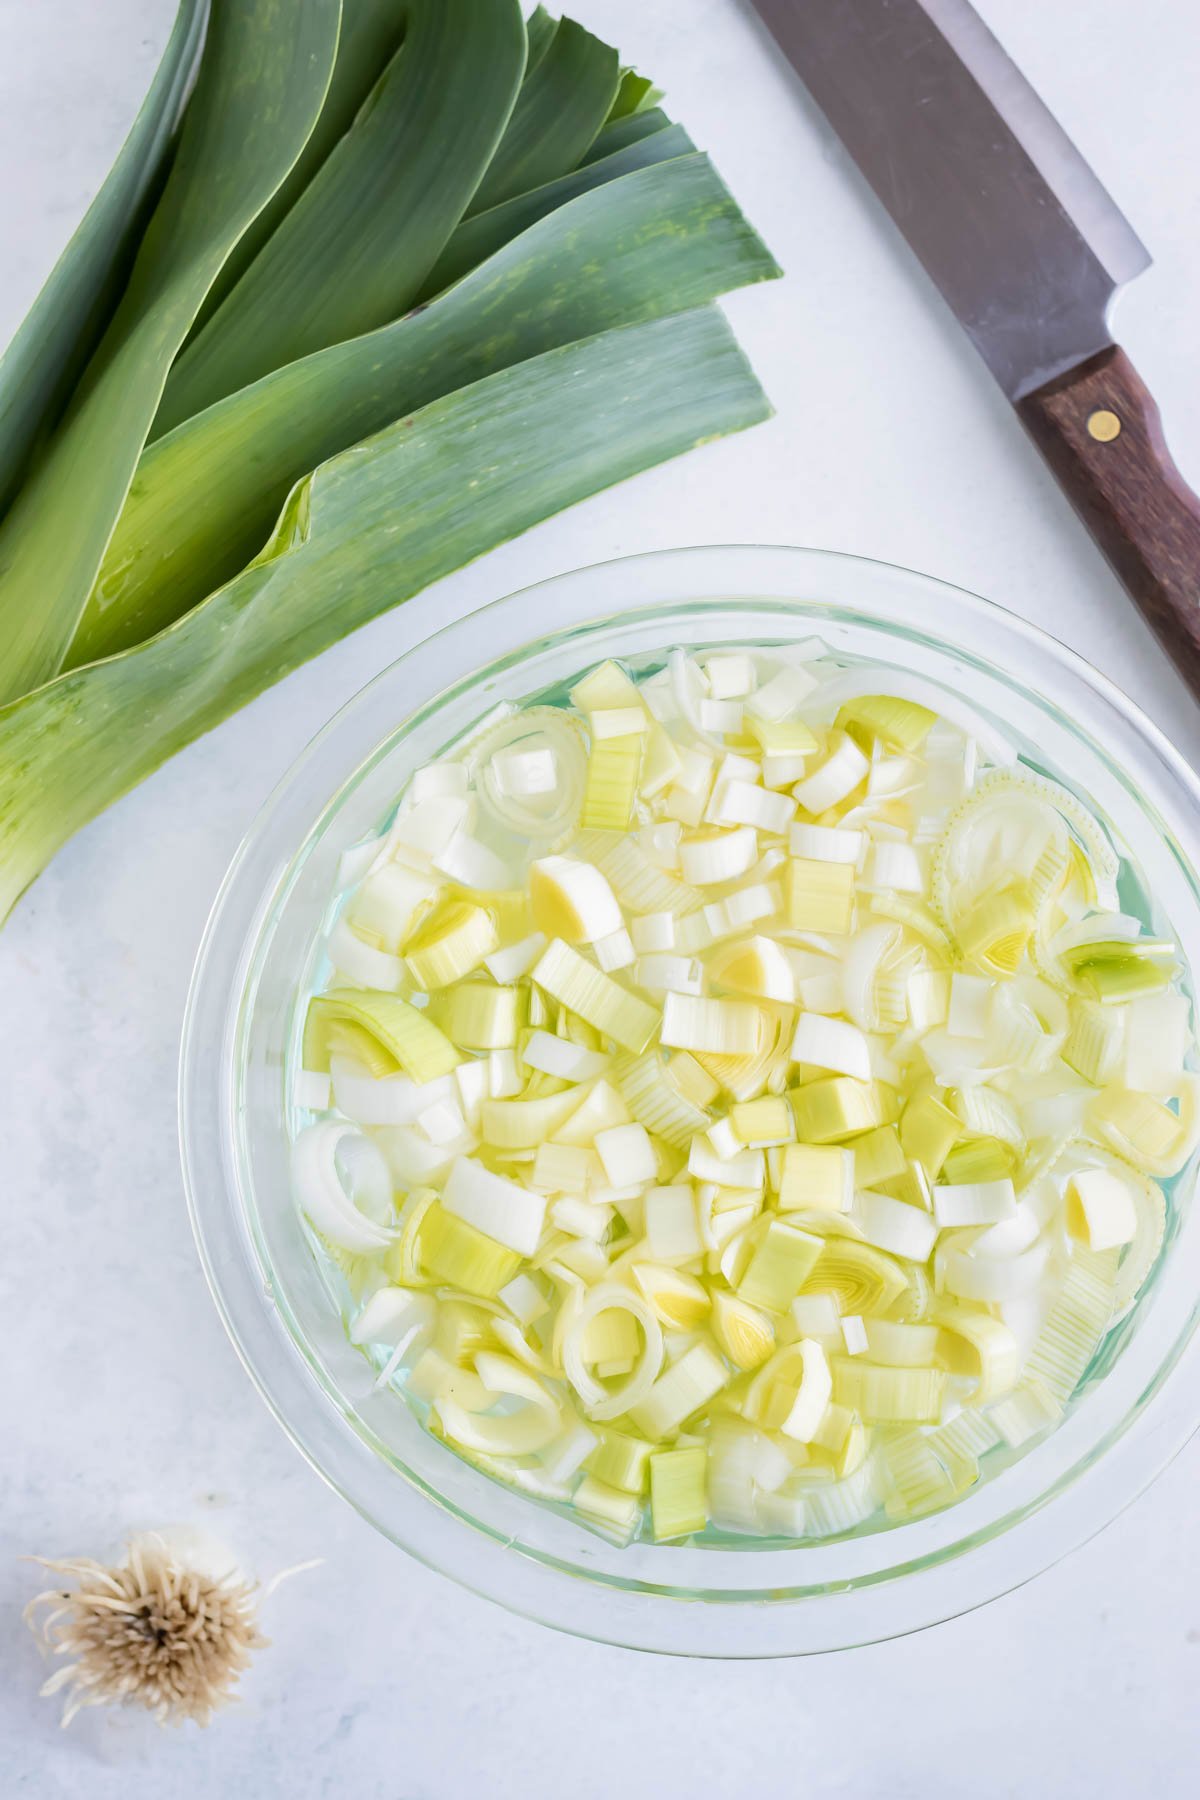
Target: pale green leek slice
(46, 357)
(860, 1278)
(1030, 1408)
(881, 1395)
(584, 989)
(678, 1480)
(915, 1478)
(461, 1255)
(263, 76)
(620, 1460)
(900, 724)
(649, 1088)
(1075, 1324)
(780, 1266)
(406, 1034)
(353, 251)
(205, 496)
(476, 468)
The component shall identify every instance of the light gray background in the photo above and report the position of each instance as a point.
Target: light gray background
(122, 1402)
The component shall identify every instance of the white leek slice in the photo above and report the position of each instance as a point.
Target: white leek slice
(897, 866)
(511, 1214)
(894, 1225)
(598, 1401)
(831, 1044)
(397, 1317)
(361, 963)
(514, 960)
(719, 856)
(572, 900)
(1101, 1210)
(744, 803)
(730, 676)
(389, 903)
(521, 773)
(827, 843)
(973, 1203)
(615, 951)
(472, 864)
(782, 694)
(724, 1027)
(854, 1335)
(993, 1280)
(383, 1100)
(653, 932)
(326, 1194)
(834, 779)
(560, 1057)
(663, 973)
(539, 731)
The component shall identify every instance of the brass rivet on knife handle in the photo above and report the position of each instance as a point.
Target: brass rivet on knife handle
(1133, 499)
(1103, 425)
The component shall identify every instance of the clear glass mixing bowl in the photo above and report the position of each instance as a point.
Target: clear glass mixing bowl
(1142, 1400)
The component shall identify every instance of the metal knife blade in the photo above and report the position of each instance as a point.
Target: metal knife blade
(1006, 216)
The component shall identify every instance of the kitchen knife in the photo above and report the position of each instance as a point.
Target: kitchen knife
(1028, 249)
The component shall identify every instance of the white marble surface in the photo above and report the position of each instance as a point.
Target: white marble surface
(122, 1402)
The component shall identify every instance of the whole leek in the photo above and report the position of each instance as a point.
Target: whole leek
(176, 501)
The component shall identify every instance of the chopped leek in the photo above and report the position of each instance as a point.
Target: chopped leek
(882, 1395)
(595, 997)
(779, 1267)
(820, 895)
(411, 1039)
(451, 944)
(817, 1177)
(462, 1256)
(677, 1492)
(798, 1220)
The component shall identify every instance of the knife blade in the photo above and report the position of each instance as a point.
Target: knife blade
(1029, 250)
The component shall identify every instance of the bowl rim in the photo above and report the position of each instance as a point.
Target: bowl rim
(200, 1057)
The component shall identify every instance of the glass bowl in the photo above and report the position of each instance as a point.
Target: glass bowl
(746, 1598)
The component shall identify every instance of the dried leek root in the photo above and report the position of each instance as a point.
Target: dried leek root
(736, 1100)
(169, 1628)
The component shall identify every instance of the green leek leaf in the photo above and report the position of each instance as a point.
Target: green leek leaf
(353, 252)
(558, 113)
(539, 31)
(62, 328)
(483, 233)
(262, 81)
(618, 134)
(635, 94)
(669, 237)
(475, 467)
(370, 36)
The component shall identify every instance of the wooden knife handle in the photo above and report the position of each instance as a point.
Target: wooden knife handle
(1101, 433)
